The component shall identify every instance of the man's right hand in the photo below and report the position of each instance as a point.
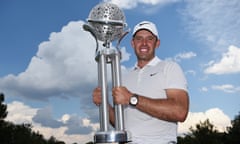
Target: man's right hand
(97, 99)
(97, 96)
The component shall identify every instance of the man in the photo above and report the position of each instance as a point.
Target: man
(154, 93)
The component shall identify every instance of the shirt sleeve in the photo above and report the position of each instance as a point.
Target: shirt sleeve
(175, 78)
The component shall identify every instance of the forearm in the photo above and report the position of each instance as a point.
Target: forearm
(111, 115)
(164, 109)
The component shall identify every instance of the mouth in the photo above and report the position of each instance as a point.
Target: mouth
(143, 50)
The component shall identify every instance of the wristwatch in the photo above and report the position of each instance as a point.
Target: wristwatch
(133, 100)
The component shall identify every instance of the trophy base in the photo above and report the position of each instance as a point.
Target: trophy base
(113, 137)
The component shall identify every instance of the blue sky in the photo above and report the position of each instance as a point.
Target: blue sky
(47, 67)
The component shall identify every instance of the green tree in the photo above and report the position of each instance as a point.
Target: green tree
(204, 133)
(234, 131)
(3, 108)
(11, 133)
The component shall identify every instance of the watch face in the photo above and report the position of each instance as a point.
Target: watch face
(133, 100)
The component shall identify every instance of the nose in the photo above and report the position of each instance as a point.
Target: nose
(144, 41)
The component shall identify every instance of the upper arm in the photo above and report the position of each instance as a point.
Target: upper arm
(180, 100)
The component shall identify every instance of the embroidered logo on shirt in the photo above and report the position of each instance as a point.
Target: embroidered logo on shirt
(152, 74)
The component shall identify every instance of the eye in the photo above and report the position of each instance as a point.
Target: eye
(150, 38)
(146, 39)
(138, 38)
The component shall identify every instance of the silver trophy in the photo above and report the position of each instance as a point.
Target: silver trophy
(106, 22)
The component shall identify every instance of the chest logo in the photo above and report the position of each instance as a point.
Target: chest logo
(153, 74)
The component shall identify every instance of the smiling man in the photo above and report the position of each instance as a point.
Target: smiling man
(154, 93)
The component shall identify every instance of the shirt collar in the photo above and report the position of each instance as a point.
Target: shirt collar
(153, 62)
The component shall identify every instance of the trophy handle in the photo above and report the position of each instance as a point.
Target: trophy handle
(90, 29)
(121, 37)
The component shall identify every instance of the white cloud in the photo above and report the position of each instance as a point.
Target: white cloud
(185, 55)
(229, 63)
(228, 88)
(44, 117)
(59, 134)
(126, 4)
(125, 55)
(182, 56)
(215, 115)
(204, 89)
(65, 118)
(130, 4)
(63, 66)
(213, 22)
(19, 113)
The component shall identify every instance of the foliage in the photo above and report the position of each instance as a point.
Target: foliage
(3, 108)
(205, 133)
(19, 134)
(234, 131)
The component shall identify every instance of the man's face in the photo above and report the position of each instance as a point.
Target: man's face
(144, 44)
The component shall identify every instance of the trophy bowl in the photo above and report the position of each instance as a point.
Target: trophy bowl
(108, 21)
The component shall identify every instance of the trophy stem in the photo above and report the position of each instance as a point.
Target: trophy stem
(104, 114)
(116, 74)
(105, 135)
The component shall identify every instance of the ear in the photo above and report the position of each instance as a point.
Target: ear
(132, 43)
(158, 43)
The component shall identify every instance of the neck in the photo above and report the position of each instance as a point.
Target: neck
(142, 63)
